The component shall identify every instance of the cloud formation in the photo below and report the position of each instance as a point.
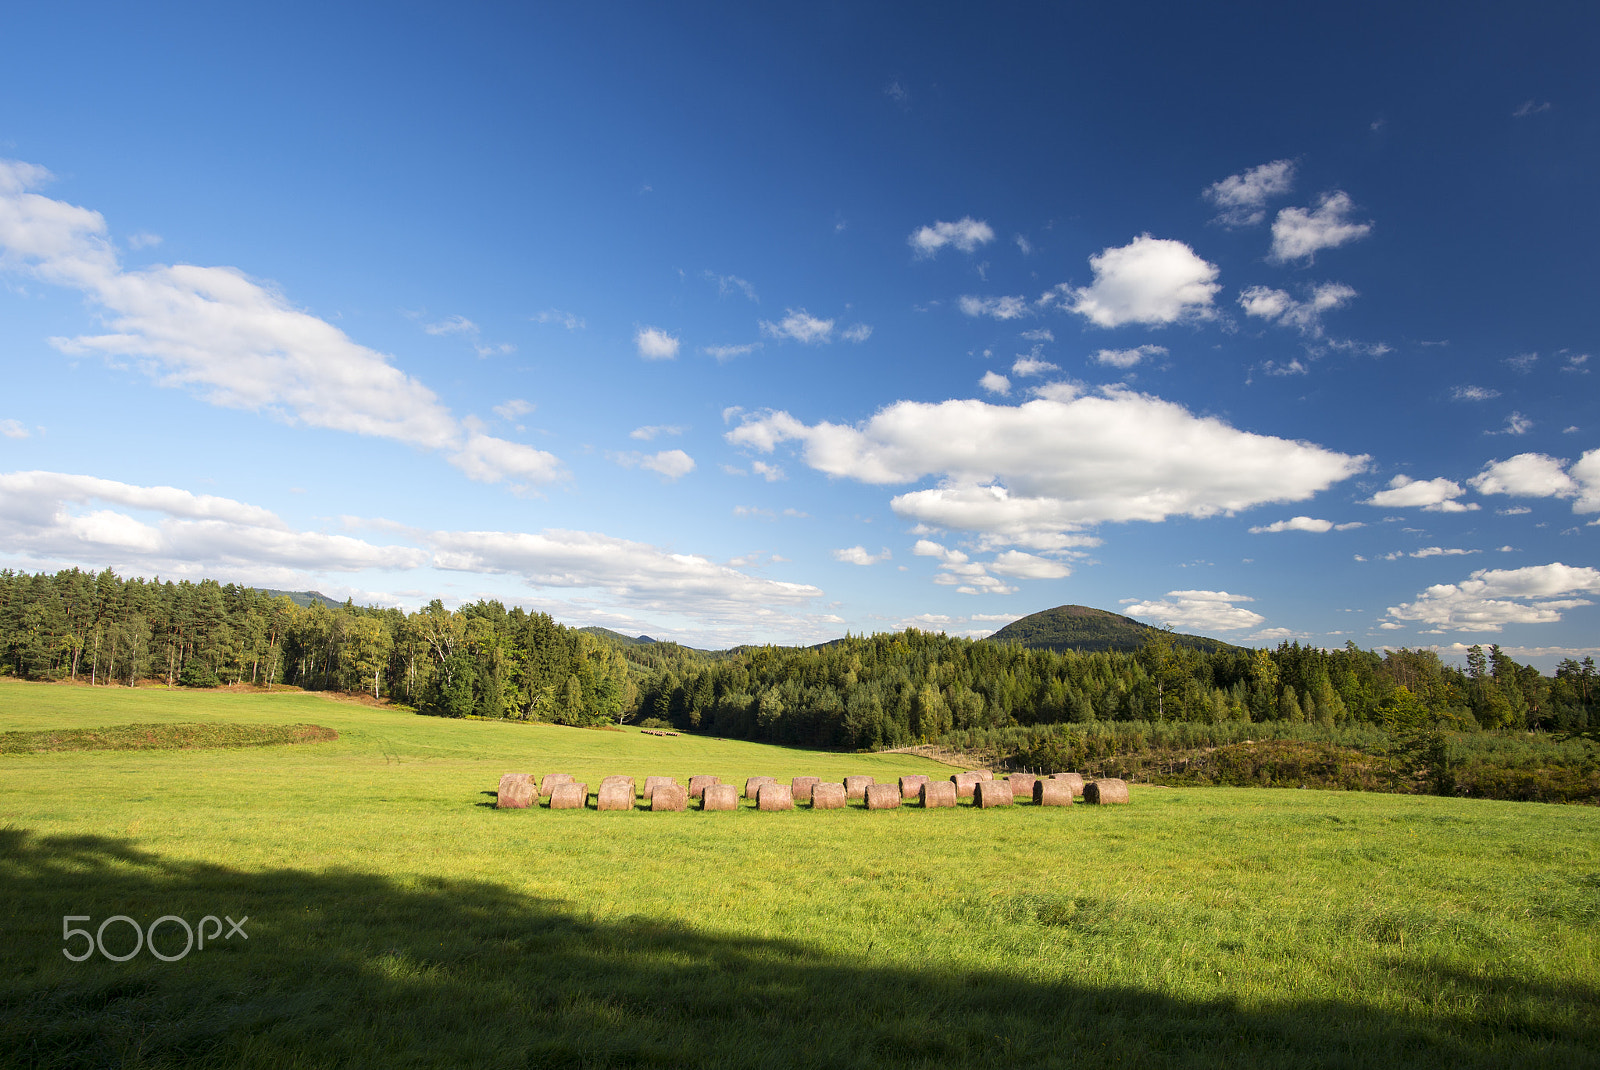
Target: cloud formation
(1304, 523)
(1241, 200)
(236, 342)
(800, 326)
(1065, 461)
(965, 234)
(1203, 611)
(1299, 233)
(1153, 281)
(1492, 598)
(1127, 358)
(1277, 306)
(1000, 308)
(858, 555)
(1431, 495)
(655, 344)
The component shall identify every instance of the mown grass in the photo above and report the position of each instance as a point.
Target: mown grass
(160, 736)
(398, 919)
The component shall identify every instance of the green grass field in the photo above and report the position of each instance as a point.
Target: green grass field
(398, 919)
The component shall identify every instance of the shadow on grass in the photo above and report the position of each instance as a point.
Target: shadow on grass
(352, 969)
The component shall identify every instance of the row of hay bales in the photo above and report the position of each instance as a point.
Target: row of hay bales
(518, 791)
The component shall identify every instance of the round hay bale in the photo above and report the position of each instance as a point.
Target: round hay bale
(937, 793)
(855, 787)
(802, 785)
(626, 781)
(827, 796)
(551, 780)
(1052, 793)
(963, 783)
(719, 797)
(753, 785)
(651, 783)
(1021, 786)
(774, 796)
(698, 785)
(569, 796)
(984, 774)
(671, 796)
(1075, 780)
(1105, 791)
(615, 794)
(988, 794)
(516, 792)
(911, 786)
(883, 796)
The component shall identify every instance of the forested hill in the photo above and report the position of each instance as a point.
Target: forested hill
(1088, 629)
(616, 637)
(303, 599)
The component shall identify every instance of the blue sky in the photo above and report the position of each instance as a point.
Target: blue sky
(729, 326)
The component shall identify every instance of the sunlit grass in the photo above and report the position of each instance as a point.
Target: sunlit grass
(399, 919)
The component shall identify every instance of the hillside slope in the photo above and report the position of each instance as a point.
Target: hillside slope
(1088, 629)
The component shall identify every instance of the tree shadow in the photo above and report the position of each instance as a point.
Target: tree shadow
(354, 969)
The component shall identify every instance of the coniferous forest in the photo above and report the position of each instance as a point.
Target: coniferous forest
(1035, 706)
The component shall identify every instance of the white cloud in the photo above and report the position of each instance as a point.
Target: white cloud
(238, 343)
(1153, 281)
(1204, 611)
(565, 319)
(1024, 566)
(1515, 510)
(1576, 362)
(732, 284)
(965, 234)
(453, 325)
(1299, 233)
(650, 431)
(1303, 523)
(1516, 424)
(1294, 367)
(1042, 334)
(14, 429)
(1274, 635)
(858, 555)
(858, 332)
(1587, 472)
(1493, 598)
(1023, 244)
(486, 459)
(1529, 107)
(723, 353)
(1000, 308)
(1523, 362)
(671, 464)
(1473, 393)
(1527, 475)
(514, 408)
(1127, 358)
(1026, 366)
(801, 326)
(770, 472)
(1441, 551)
(143, 240)
(655, 344)
(1241, 199)
(1028, 473)
(1277, 306)
(995, 383)
(1432, 495)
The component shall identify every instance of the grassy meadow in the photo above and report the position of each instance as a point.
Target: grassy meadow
(397, 919)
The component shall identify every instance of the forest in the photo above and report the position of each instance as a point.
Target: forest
(860, 692)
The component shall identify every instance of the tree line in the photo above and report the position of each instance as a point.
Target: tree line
(479, 660)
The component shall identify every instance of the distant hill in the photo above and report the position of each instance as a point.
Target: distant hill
(617, 637)
(306, 599)
(1088, 629)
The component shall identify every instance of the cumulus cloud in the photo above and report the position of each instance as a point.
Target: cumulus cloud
(1473, 393)
(237, 343)
(655, 344)
(801, 326)
(1000, 308)
(1026, 366)
(858, 555)
(1432, 495)
(1241, 200)
(1516, 424)
(858, 333)
(1025, 566)
(14, 429)
(1153, 281)
(1298, 233)
(1127, 358)
(770, 472)
(965, 234)
(1277, 306)
(1527, 475)
(1203, 611)
(1303, 523)
(995, 383)
(957, 570)
(1493, 598)
(670, 464)
(1062, 462)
